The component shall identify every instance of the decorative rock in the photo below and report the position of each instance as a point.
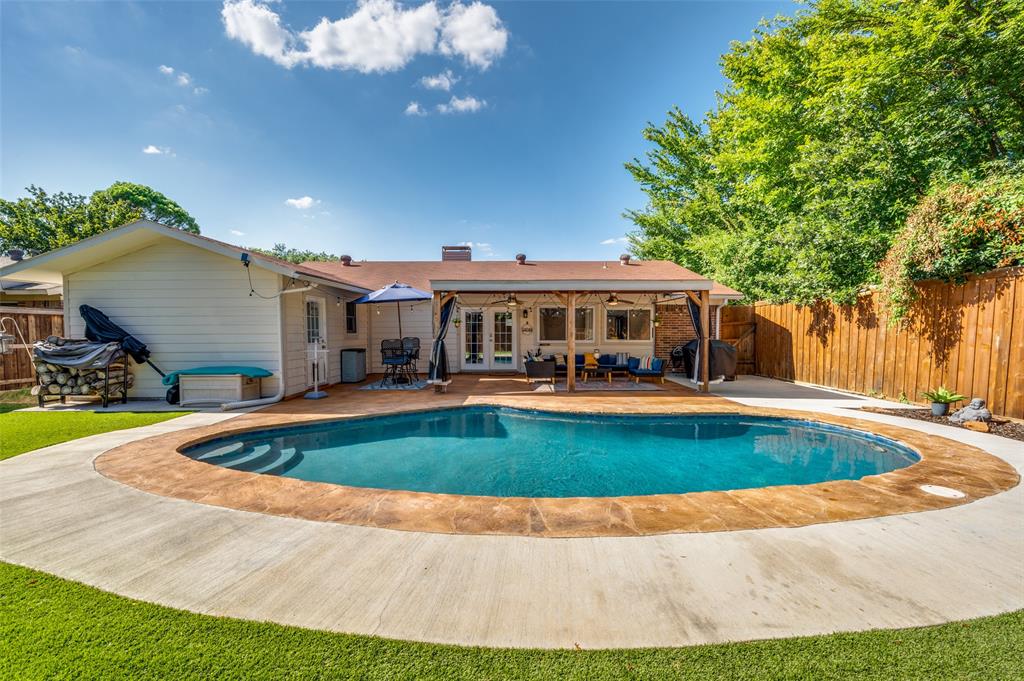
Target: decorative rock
(979, 426)
(975, 411)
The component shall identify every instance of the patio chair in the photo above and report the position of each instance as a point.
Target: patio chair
(540, 370)
(395, 360)
(657, 369)
(411, 345)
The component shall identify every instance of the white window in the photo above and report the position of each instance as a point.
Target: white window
(552, 324)
(313, 321)
(350, 318)
(628, 325)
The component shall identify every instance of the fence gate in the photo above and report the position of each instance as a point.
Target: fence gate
(739, 329)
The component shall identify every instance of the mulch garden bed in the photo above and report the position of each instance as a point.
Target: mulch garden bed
(1005, 428)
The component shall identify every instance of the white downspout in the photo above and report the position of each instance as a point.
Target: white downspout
(279, 395)
(718, 322)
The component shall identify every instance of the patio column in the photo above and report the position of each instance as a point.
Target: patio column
(705, 340)
(570, 341)
(436, 308)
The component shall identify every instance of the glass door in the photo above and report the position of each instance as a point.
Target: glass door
(473, 340)
(503, 340)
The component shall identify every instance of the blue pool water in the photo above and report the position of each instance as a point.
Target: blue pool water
(507, 452)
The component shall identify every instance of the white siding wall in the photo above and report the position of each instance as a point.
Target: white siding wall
(190, 306)
(337, 337)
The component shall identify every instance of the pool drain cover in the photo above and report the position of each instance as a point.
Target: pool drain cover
(940, 491)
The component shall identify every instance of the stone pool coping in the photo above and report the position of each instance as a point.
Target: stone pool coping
(155, 465)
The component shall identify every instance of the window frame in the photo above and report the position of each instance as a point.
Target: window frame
(628, 311)
(565, 339)
(352, 328)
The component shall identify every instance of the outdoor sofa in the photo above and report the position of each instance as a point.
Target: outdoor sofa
(657, 369)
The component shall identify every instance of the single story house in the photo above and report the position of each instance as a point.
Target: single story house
(27, 293)
(196, 302)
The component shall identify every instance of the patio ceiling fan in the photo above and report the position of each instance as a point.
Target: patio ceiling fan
(613, 299)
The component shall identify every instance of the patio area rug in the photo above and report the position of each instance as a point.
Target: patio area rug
(598, 386)
(418, 385)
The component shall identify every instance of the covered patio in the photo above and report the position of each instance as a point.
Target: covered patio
(553, 309)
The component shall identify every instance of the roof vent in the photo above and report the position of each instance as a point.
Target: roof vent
(456, 253)
(521, 258)
(16, 254)
(624, 259)
(346, 260)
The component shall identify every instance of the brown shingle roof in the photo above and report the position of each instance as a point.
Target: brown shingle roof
(419, 273)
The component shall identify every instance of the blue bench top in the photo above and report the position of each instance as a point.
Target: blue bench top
(248, 372)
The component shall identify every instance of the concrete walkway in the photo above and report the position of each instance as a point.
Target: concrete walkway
(60, 516)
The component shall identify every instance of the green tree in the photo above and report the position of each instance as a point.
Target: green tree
(41, 222)
(295, 255)
(834, 125)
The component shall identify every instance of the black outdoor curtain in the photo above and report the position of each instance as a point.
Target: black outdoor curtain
(438, 354)
(694, 309)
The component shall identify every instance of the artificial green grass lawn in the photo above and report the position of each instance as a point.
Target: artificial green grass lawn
(51, 628)
(22, 432)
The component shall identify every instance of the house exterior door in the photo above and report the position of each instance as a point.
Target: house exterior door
(489, 339)
(316, 341)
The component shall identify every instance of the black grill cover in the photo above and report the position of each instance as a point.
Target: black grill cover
(722, 360)
(99, 328)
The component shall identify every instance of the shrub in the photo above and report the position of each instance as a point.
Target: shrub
(962, 228)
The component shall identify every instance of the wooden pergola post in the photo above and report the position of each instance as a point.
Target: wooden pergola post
(570, 341)
(705, 340)
(436, 307)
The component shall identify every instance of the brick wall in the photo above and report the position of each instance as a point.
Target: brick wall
(675, 329)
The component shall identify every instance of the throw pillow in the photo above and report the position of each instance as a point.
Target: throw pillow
(646, 361)
(559, 359)
(622, 358)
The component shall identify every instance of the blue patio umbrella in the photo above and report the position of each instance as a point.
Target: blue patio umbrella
(396, 293)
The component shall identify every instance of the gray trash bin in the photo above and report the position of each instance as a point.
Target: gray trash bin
(353, 365)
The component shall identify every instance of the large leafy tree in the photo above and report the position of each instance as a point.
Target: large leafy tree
(834, 125)
(41, 222)
(295, 255)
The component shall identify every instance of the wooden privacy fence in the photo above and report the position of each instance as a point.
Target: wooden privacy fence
(969, 338)
(16, 370)
(739, 327)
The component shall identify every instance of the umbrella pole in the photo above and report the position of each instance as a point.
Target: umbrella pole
(398, 306)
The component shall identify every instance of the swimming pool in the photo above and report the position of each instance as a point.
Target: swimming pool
(503, 452)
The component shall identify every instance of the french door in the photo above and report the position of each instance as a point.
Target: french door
(489, 339)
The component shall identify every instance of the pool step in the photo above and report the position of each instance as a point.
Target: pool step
(232, 448)
(269, 462)
(240, 457)
(282, 462)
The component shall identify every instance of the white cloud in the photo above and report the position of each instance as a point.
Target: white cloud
(480, 248)
(442, 81)
(473, 32)
(379, 36)
(467, 104)
(182, 79)
(237, 233)
(616, 240)
(154, 150)
(302, 203)
(414, 109)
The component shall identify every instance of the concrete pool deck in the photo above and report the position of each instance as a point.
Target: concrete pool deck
(61, 516)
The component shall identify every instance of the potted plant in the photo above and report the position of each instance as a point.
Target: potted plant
(941, 398)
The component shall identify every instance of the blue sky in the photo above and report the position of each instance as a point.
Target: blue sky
(288, 121)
